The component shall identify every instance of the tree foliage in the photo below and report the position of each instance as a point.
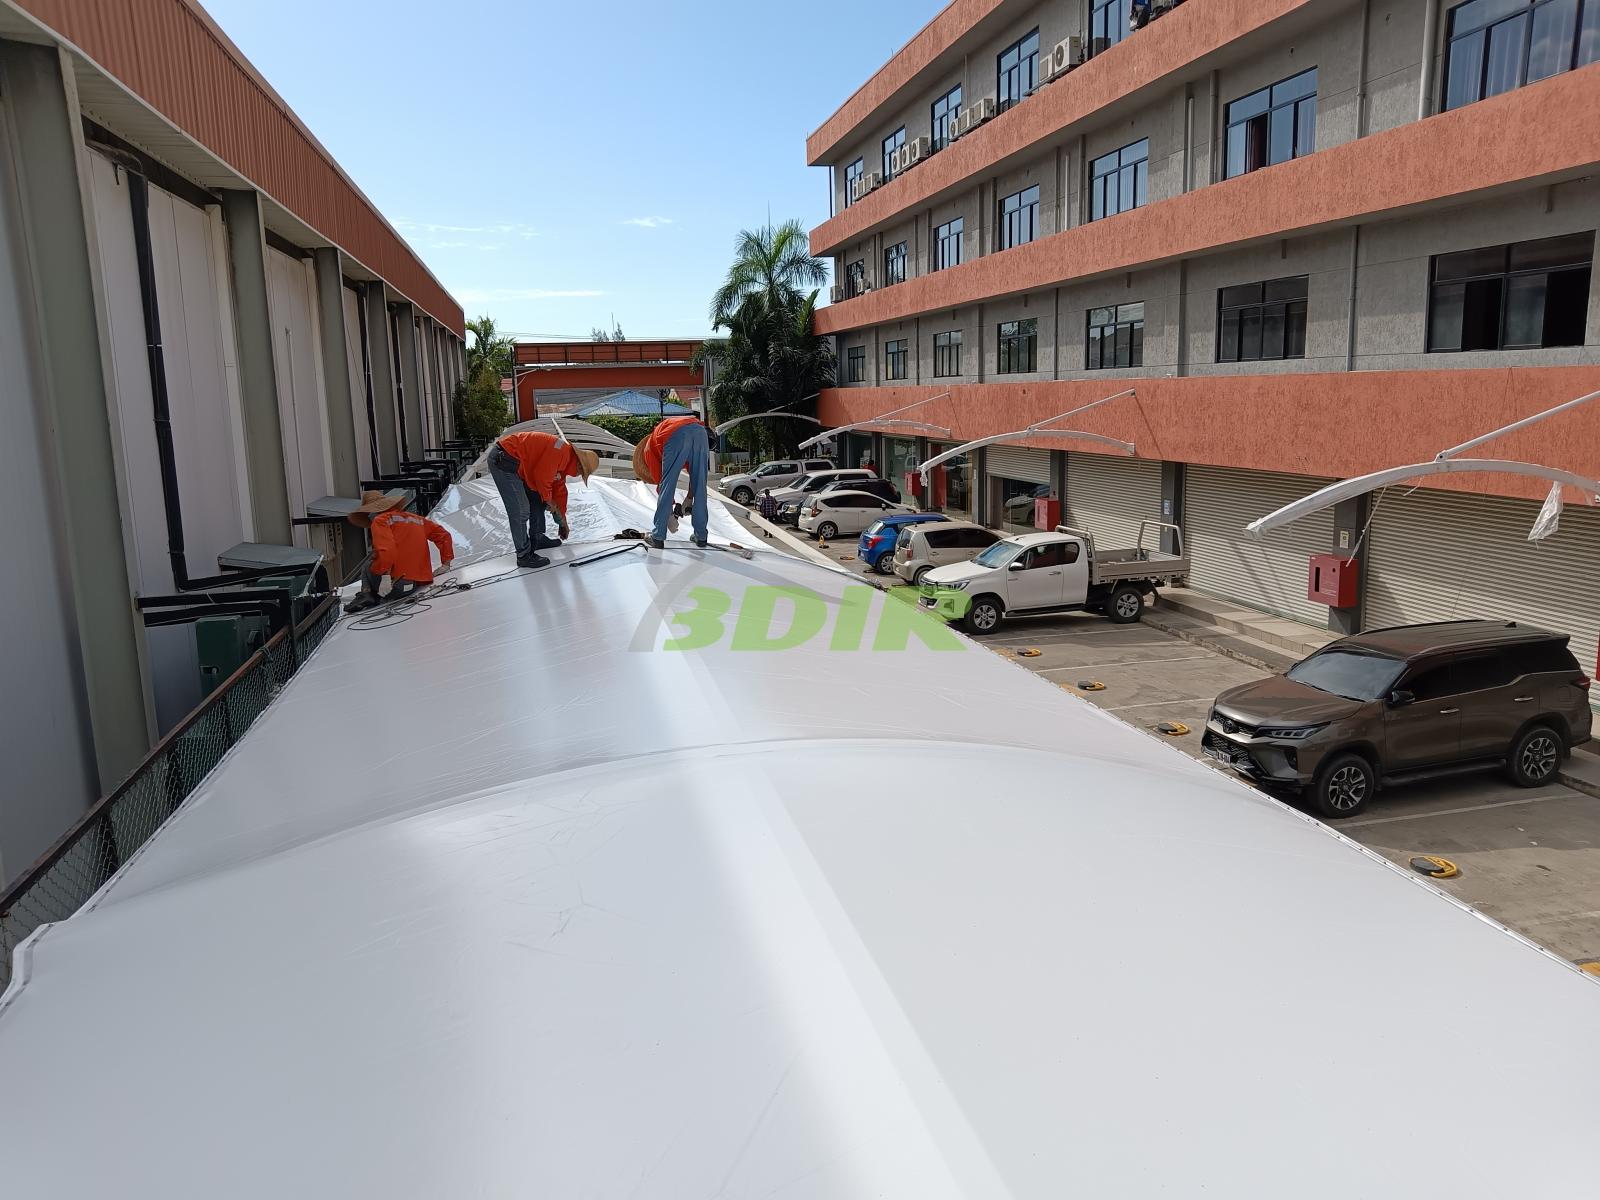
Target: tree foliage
(596, 334)
(489, 348)
(480, 407)
(629, 429)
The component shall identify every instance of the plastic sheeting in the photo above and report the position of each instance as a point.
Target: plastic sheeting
(545, 908)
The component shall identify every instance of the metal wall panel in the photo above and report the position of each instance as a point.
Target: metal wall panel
(1109, 496)
(301, 403)
(358, 383)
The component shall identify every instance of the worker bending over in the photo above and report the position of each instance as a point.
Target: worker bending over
(674, 445)
(531, 471)
(399, 548)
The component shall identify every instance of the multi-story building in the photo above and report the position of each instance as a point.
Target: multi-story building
(205, 330)
(1317, 237)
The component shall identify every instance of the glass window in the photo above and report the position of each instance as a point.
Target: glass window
(855, 276)
(945, 111)
(856, 364)
(1273, 125)
(1108, 24)
(890, 144)
(894, 264)
(1120, 180)
(1018, 70)
(1116, 336)
(1494, 46)
(947, 244)
(1018, 343)
(1019, 218)
(947, 354)
(1257, 321)
(852, 173)
(1527, 295)
(894, 359)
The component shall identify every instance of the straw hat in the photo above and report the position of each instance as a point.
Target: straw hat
(588, 460)
(373, 503)
(640, 471)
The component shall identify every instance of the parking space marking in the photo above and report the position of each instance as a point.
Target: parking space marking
(1163, 703)
(1454, 812)
(1127, 662)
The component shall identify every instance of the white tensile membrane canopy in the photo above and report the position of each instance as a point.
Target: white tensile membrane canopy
(509, 899)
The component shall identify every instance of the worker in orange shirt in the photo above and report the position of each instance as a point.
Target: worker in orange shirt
(676, 444)
(531, 471)
(399, 548)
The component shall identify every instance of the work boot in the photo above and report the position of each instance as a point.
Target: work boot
(532, 559)
(701, 542)
(360, 602)
(545, 542)
(652, 540)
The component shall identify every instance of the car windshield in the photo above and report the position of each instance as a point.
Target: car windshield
(998, 555)
(1349, 674)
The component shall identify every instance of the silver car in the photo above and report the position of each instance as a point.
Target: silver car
(921, 548)
(780, 473)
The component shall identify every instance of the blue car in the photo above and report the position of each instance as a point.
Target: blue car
(876, 547)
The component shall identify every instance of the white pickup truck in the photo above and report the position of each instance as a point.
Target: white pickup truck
(1054, 572)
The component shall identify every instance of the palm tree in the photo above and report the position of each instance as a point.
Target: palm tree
(773, 266)
(771, 359)
(488, 349)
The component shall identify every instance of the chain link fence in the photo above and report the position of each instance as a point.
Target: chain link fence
(89, 853)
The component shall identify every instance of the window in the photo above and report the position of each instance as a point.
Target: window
(1273, 125)
(1108, 24)
(1120, 180)
(894, 264)
(890, 144)
(974, 539)
(894, 359)
(1479, 672)
(1053, 554)
(852, 173)
(1019, 346)
(1527, 295)
(1497, 45)
(1116, 336)
(1019, 218)
(947, 354)
(1538, 657)
(945, 111)
(818, 464)
(855, 360)
(855, 278)
(947, 244)
(1018, 71)
(1262, 320)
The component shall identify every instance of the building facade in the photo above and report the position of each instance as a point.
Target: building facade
(205, 328)
(1318, 238)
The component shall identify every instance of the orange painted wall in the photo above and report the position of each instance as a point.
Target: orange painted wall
(1176, 41)
(1447, 158)
(1340, 424)
(616, 378)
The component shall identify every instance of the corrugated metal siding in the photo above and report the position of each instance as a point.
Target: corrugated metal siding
(1267, 573)
(1020, 462)
(175, 59)
(1438, 556)
(1109, 496)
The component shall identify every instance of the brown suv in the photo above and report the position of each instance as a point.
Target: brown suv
(1412, 702)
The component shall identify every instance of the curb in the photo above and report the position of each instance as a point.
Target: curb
(1215, 645)
(1587, 786)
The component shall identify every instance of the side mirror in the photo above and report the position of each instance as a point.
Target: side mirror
(1399, 698)
(1015, 565)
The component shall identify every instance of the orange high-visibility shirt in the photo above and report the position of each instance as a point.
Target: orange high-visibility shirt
(543, 462)
(655, 446)
(400, 546)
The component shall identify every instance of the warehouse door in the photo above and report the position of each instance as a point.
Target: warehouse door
(1109, 496)
(1017, 476)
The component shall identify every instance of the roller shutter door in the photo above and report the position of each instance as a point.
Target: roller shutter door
(1109, 496)
(1268, 573)
(1437, 556)
(1019, 462)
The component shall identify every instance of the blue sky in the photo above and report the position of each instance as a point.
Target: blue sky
(555, 164)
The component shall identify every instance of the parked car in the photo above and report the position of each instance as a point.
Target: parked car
(877, 545)
(840, 510)
(790, 499)
(1063, 571)
(1408, 703)
(1402, 704)
(780, 473)
(919, 550)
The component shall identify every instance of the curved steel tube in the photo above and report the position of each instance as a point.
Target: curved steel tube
(1125, 447)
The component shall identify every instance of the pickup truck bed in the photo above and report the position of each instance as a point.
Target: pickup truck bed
(1109, 566)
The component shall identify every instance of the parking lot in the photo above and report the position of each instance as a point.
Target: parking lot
(1527, 857)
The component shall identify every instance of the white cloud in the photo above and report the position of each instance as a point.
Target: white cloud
(504, 229)
(494, 295)
(648, 222)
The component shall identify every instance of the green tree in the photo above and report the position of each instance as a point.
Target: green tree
(489, 348)
(771, 264)
(480, 407)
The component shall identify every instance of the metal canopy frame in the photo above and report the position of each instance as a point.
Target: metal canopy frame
(879, 422)
(1037, 429)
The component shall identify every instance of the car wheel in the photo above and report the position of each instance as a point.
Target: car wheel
(919, 575)
(1343, 786)
(827, 531)
(743, 495)
(983, 617)
(1125, 605)
(884, 565)
(1535, 756)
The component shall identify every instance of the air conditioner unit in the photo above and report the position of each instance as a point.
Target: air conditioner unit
(836, 293)
(979, 112)
(911, 154)
(866, 183)
(1068, 53)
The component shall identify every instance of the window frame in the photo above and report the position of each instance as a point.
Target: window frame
(855, 278)
(947, 354)
(1301, 105)
(1504, 279)
(1106, 8)
(852, 173)
(1287, 307)
(1020, 218)
(1130, 174)
(896, 353)
(1018, 347)
(945, 237)
(1134, 323)
(1582, 46)
(945, 121)
(855, 360)
(890, 144)
(894, 264)
(1016, 82)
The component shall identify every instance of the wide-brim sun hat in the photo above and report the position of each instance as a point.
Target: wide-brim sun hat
(373, 503)
(640, 471)
(588, 462)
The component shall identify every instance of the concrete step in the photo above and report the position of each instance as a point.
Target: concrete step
(1581, 771)
(1299, 640)
(1221, 639)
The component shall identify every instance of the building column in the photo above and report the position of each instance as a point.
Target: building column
(380, 365)
(336, 373)
(1171, 503)
(46, 134)
(258, 374)
(1349, 520)
(405, 332)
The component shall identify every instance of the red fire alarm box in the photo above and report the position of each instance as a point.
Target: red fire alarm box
(1334, 580)
(913, 483)
(1046, 513)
